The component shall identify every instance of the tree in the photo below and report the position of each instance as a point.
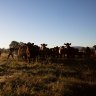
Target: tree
(94, 47)
(14, 44)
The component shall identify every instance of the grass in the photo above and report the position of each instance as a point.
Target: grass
(53, 77)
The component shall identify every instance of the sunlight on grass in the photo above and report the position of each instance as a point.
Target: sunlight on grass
(46, 79)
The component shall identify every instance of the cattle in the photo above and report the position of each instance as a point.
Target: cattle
(33, 50)
(43, 51)
(55, 52)
(93, 51)
(87, 52)
(23, 52)
(28, 52)
(81, 52)
(62, 51)
(70, 52)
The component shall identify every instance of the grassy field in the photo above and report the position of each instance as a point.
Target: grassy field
(52, 77)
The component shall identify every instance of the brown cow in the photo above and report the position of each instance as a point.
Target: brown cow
(70, 51)
(23, 52)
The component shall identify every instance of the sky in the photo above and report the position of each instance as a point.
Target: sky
(53, 22)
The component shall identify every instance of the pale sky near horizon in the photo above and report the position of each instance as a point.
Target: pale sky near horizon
(53, 22)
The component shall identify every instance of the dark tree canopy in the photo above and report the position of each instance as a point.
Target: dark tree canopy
(14, 44)
(94, 47)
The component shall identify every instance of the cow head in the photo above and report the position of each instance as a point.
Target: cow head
(67, 44)
(30, 43)
(43, 45)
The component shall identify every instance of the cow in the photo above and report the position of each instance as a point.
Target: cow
(33, 50)
(55, 52)
(23, 52)
(43, 51)
(87, 52)
(62, 51)
(70, 52)
(28, 51)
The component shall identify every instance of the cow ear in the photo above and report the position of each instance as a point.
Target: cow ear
(65, 43)
(45, 44)
(32, 43)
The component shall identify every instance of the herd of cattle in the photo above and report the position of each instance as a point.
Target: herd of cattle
(29, 51)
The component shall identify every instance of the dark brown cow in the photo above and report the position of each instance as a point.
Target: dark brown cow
(70, 51)
(87, 52)
(55, 52)
(43, 51)
(34, 51)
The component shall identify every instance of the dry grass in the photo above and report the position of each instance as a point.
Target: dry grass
(54, 77)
